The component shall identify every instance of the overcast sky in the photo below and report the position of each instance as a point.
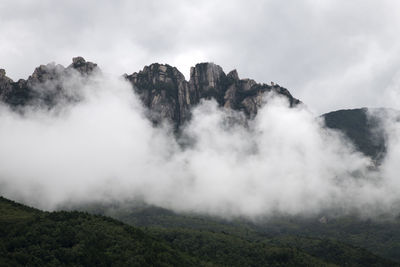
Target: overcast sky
(331, 54)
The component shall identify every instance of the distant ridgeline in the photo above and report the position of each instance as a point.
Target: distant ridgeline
(364, 127)
(168, 96)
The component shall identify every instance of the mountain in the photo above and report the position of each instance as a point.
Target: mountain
(364, 127)
(30, 237)
(167, 95)
(33, 237)
(361, 128)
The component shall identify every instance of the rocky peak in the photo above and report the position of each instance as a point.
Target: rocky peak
(155, 74)
(78, 61)
(3, 77)
(247, 84)
(164, 90)
(45, 86)
(233, 75)
(83, 67)
(45, 73)
(208, 80)
(206, 75)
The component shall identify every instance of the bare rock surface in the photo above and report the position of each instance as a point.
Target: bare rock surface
(164, 90)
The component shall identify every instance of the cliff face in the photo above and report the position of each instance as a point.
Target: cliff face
(162, 88)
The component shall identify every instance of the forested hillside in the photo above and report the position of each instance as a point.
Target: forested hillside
(30, 237)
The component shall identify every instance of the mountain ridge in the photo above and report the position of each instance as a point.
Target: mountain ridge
(167, 95)
(162, 88)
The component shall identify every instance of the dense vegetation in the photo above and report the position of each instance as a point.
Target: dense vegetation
(33, 238)
(231, 250)
(30, 237)
(326, 239)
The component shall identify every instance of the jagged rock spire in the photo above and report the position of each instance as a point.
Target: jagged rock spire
(83, 67)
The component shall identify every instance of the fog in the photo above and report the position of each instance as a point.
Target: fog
(104, 149)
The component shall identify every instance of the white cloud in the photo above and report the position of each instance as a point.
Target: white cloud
(104, 148)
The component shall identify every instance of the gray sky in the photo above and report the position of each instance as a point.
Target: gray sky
(331, 54)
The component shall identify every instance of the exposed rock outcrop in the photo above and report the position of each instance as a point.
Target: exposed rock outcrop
(82, 66)
(164, 90)
(6, 84)
(45, 86)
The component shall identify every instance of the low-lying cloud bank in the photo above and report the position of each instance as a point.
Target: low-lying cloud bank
(103, 148)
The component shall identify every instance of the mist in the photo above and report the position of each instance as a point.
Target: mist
(103, 148)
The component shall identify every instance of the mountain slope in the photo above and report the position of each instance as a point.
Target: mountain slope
(327, 240)
(30, 237)
(362, 128)
(35, 238)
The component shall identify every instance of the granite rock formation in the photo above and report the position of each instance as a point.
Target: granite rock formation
(164, 90)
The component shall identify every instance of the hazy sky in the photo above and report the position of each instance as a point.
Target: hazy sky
(331, 54)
